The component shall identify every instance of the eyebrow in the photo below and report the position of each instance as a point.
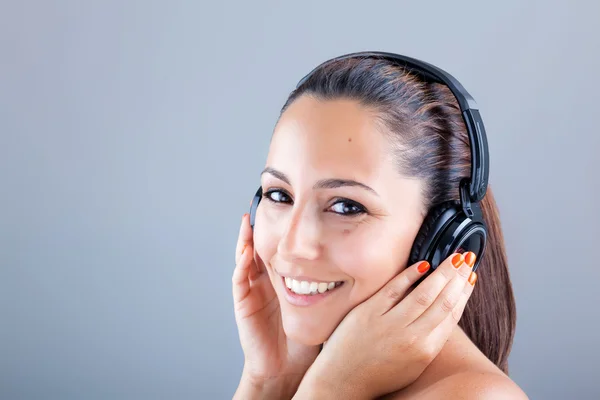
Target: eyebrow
(323, 183)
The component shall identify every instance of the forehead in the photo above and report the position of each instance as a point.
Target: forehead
(338, 136)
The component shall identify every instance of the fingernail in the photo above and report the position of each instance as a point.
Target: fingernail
(424, 266)
(470, 259)
(244, 249)
(457, 260)
(473, 278)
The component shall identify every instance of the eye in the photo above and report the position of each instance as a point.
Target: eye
(347, 207)
(277, 196)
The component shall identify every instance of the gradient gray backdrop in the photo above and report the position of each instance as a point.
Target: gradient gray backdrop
(132, 135)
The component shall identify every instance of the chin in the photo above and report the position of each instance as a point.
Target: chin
(307, 331)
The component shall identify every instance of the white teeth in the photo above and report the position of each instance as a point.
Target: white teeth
(322, 287)
(305, 287)
(295, 286)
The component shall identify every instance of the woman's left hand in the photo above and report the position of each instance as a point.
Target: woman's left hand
(386, 342)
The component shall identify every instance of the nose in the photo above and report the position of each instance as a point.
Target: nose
(301, 238)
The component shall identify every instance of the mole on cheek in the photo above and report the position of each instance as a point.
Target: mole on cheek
(349, 139)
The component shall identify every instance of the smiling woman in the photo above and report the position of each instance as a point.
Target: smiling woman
(364, 150)
(333, 233)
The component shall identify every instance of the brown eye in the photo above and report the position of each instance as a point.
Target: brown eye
(277, 196)
(347, 207)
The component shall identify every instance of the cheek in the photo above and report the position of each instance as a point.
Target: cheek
(266, 237)
(371, 260)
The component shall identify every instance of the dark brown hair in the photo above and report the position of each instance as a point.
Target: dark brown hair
(430, 142)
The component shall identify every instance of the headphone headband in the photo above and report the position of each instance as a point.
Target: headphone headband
(478, 182)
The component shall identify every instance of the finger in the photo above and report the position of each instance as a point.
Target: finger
(241, 274)
(448, 299)
(257, 266)
(423, 296)
(446, 327)
(244, 237)
(395, 290)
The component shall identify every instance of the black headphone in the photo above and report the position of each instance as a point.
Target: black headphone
(454, 226)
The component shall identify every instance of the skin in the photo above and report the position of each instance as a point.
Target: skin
(313, 239)
(350, 233)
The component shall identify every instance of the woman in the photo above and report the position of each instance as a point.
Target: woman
(325, 301)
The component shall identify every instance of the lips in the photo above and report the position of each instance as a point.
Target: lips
(303, 292)
(310, 288)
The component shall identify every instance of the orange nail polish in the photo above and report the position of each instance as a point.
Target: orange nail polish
(473, 278)
(457, 260)
(424, 266)
(470, 259)
(244, 249)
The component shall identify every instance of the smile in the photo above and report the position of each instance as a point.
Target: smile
(306, 293)
(308, 287)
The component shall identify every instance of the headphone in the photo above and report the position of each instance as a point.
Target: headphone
(453, 226)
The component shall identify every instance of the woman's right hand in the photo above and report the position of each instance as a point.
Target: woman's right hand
(274, 365)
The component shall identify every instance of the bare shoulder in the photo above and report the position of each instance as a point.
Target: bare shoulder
(461, 371)
(475, 385)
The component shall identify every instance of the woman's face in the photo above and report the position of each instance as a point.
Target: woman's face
(338, 218)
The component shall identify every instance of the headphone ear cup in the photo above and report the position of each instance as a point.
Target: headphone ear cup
(434, 222)
(254, 205)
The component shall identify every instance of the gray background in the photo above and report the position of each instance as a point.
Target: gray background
(132, 135)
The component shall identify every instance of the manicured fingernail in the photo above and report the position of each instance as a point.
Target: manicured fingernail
(457, 260)
(473, 278)
(424, 266)
(470, 259)
(244, 249)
